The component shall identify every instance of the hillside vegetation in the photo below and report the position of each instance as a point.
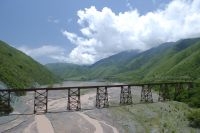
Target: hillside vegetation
(18, 70)
(68, 71)
(170, 61)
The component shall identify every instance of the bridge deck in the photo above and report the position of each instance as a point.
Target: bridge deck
(94, 87)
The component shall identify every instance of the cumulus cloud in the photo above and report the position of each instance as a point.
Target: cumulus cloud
(105, 33)
(46, 51)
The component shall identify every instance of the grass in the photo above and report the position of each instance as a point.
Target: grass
(160, 117)
(18, 70)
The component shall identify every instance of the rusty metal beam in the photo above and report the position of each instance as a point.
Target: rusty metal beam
(190, 86)
(178, 89)
(74, 103)
(40, 101)
(163, 93)
(5, 100)
(125, 96)
(102, 97)
(146, 94)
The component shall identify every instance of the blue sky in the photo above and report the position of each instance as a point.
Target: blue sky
(84, 32)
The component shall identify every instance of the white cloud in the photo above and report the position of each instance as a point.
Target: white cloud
(128, 4)
(45, 51)
(53, 20)
(105, 33)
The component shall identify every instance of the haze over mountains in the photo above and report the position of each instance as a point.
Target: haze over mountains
(169, 61)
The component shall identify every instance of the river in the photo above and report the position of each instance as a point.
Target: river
(63, 122)
(136, 118)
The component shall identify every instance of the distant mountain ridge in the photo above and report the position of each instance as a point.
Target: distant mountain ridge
(17, 70)
(168, 61)
(68, 71)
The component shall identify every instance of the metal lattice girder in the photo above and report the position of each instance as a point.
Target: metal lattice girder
(146, 94)
(163, 92)
(102, 97)
(190, 86)
(74, 99)
(178, 89)
(5, 101)
(40, 101)
(125, 95)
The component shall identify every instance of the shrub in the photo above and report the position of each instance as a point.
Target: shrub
(5, 109)
(194, 97)
(194, 118)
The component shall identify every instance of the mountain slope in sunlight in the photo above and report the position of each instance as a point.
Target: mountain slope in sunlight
(17, 70)
(169, 61)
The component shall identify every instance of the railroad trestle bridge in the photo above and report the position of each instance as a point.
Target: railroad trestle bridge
(102, 101)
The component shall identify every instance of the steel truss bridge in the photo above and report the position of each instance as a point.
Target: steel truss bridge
(102, 101)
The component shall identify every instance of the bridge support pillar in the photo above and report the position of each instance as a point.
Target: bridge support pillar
(5, 107)
(74, 102)
(125, 96)
(40, 101)
(102, 97)
(146, 94)
(163, 93)
(178, 89)
(190, 86)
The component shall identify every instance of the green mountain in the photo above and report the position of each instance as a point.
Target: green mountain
(169, 61)
(69, 71)
(107, 67)
(99, 70)
(18, 70)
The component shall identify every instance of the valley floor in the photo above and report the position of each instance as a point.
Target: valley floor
(167, 117)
